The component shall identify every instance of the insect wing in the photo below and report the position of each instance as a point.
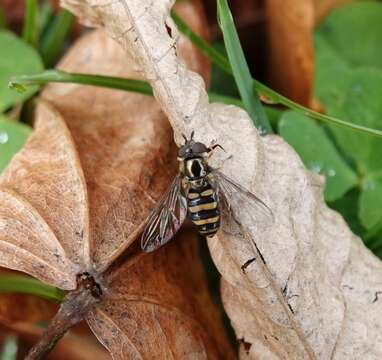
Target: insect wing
(166, 219)
(240, 206)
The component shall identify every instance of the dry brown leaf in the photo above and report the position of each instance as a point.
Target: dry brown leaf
(290, 48)
(77, 196)
(307, 288)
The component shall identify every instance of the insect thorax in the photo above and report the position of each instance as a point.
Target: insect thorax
(194, 171)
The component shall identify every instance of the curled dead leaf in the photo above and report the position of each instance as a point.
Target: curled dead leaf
(75, 198)
(308, 283)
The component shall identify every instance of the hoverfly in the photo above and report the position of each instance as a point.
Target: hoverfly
(204, 195)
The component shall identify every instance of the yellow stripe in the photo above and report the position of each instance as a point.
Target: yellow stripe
(207, 192)
(208, 206)
(193, 195)
(207, 221)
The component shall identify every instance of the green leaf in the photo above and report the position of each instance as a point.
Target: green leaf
(355, 32)
(348, 84)
(16, 58)
(12, 137)
(346, 206)
(318, 153)
(240, 69)
(361, 103)
(371, 200)
(27, 285)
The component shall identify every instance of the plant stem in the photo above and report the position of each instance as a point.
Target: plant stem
(280, 99)
(72, 310)
(142, 87)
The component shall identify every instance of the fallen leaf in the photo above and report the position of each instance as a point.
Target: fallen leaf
(77, 196)
(303, 288)
(290, 48)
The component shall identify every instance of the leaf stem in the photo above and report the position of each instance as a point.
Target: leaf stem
(73, 309)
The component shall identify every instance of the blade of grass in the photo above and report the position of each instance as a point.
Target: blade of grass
(240, 69)
(30, 28)
(53, 41)
(271, 94)
(19, 82)
(27, 285)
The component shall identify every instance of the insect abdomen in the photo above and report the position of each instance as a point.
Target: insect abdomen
(203, 210)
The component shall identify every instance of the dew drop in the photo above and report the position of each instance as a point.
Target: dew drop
(331, 172)
(3, 138)
(316, 168)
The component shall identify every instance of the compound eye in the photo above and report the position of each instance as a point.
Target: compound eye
(183, 151)
(199, 148)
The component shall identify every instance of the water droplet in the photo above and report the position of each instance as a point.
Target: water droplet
(331, 172)
(3, 138)
(316, 168)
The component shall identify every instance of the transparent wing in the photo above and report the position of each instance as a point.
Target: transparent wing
(166, 219)
(240, 206)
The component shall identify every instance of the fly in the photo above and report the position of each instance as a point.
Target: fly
(205, 196)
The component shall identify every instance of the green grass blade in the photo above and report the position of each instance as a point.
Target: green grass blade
(240, 69)
(214, 55)
(19, 82)
(26, 285)
(53, 41)
(30, 29)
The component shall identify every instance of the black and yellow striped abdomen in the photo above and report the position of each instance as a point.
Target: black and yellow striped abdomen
(203, 209)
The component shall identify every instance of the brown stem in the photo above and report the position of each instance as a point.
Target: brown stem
(73, 310)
